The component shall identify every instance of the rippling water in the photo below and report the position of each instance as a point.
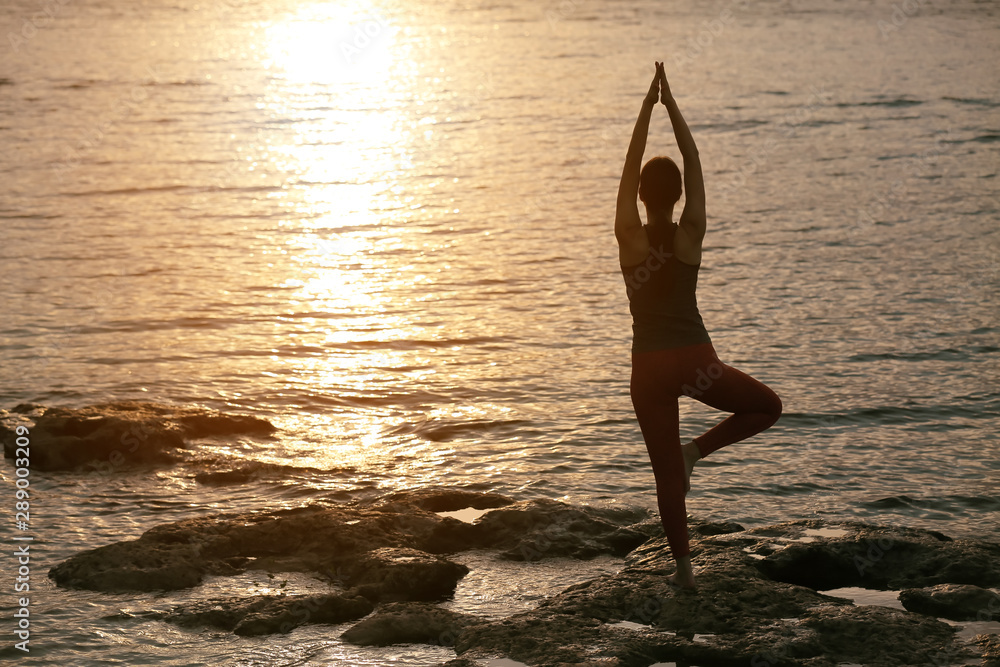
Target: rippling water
(386, 227)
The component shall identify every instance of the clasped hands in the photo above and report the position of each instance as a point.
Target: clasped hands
(659, 88)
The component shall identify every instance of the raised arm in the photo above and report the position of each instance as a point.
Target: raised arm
(692, 222)
(633, 245)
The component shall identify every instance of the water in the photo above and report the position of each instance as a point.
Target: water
(386, 227)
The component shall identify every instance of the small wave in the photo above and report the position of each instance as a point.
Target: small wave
(77, 85)
(31, 216)
(258, 470)
(946, 354)
(137, 274)
(305, 314)
(950, 504)
(972, 100)
(135, 326)
(890, 414)
(127, 191)
(438, 431)
(172, 188)
(730, 127)
(416, 344)
(358, 400)
(898, 102)
(794, 489)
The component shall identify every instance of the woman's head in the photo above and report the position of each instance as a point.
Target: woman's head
(660, 184)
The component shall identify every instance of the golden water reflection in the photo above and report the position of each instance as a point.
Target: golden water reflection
(326, 43)
(344, 86)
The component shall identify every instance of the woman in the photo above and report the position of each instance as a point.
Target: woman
(672, 353)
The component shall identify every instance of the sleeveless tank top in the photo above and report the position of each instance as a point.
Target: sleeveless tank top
(661, 295)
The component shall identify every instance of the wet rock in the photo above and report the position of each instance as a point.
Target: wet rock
(706, 528)
(399, 573)
(879, 635)
(263, 615)
(105, 437)
(959, 602)
(219, 614)
(288, 613)
(409, 622)
(989, 645)
(197, 424)
(880, 557)
(553, 639)
(333, 540)
(460, 662)
(738, 615)
(758, 600)
(135, 565)
(544, 528)
(435, 499)
(180, 554)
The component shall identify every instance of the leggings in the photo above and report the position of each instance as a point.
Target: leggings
(658, 379)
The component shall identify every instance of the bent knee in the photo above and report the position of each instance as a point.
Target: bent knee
(774, 405)
(766, 402)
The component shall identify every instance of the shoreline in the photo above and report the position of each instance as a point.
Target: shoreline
(384, 567)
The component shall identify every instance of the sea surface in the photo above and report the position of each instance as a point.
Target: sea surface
(386, 227)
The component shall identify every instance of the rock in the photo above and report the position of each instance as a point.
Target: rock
(434, 499)
(738, 616)
(409, 622)
(103, 438)
(552, 638)
(548, 528)
(332, 541)
(758, 603)
(959, 602)
(706, 528)
(267, 614)
(989, 645)
(399, 573)
(135, 565)
(197, 424)
(288, 613)
(460, 662)
(848, 634)
(878, 557)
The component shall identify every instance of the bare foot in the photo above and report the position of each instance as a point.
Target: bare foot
(691, 456)
(682, 582)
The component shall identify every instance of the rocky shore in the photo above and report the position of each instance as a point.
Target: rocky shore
(386, 561)
(388, 565)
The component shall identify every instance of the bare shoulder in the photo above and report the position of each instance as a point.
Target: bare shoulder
(686, 247)
(633, 247)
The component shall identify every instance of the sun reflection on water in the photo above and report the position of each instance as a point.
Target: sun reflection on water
(326, 43)
(345, 99)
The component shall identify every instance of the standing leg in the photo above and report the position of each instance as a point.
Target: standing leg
(654, 397)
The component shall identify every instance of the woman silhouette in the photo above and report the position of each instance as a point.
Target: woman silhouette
(672, 354)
